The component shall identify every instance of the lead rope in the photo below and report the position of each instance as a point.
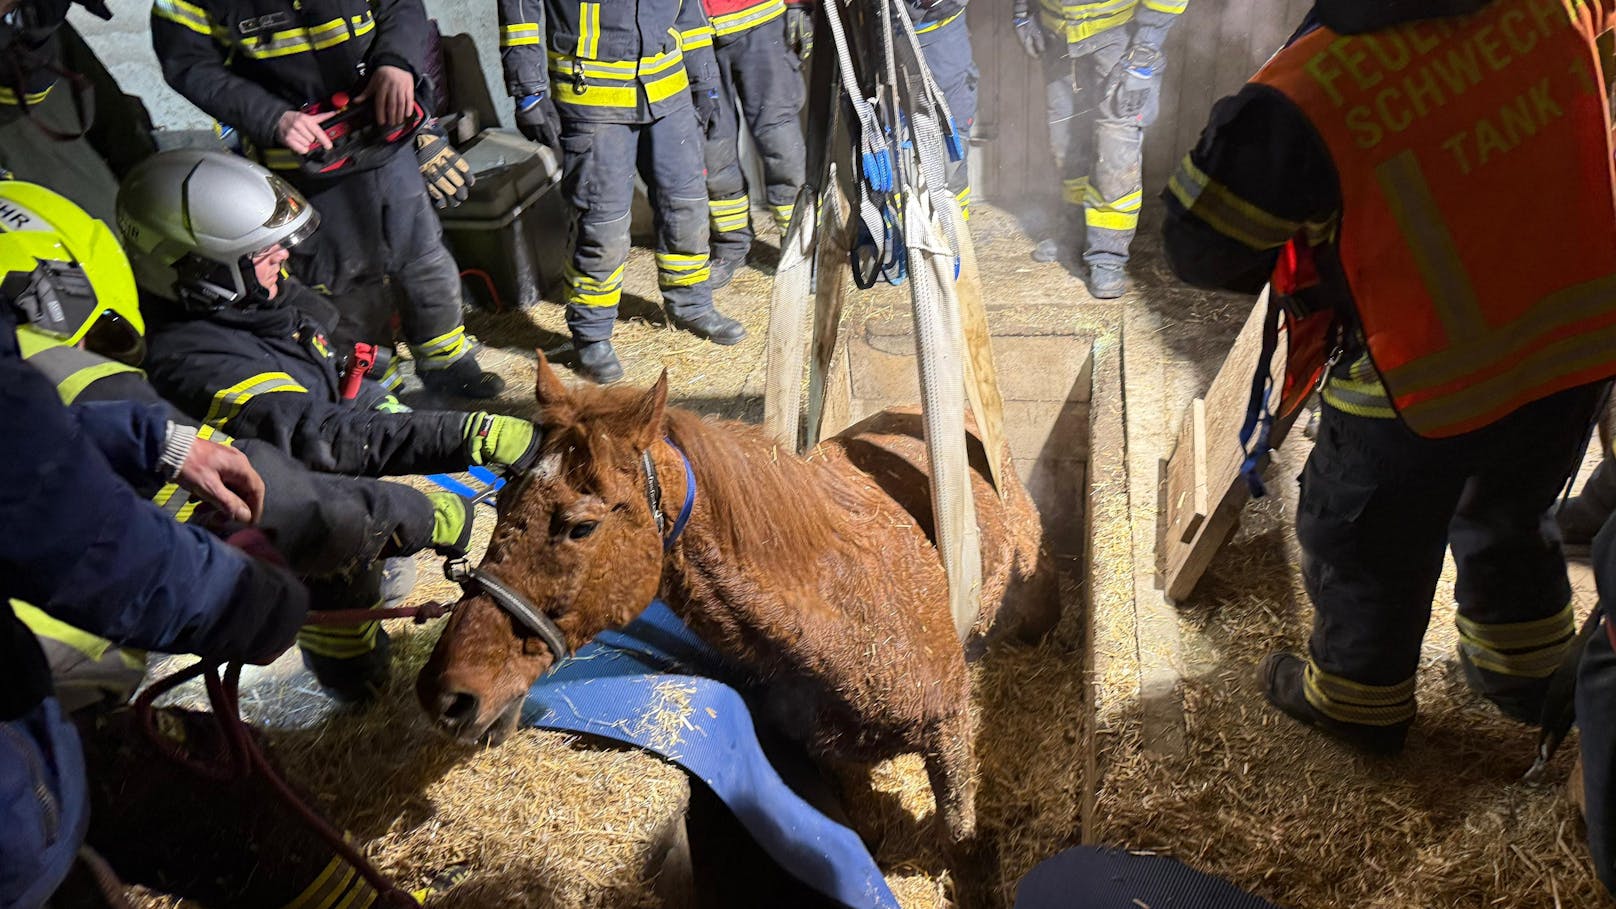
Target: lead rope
(243, 756)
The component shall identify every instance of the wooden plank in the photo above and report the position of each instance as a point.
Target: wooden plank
(1186, 494)
(1181, 564)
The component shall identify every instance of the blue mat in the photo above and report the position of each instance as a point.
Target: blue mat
(648, 685)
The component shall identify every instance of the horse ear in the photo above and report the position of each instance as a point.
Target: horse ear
(653, 407)
(553, 397)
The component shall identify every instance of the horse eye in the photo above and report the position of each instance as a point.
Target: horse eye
(583, 529)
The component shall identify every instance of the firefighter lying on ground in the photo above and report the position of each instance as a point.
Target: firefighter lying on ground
(622, 78)
(258, 66)
(1453, 410)
(83, 545)
(244, 350)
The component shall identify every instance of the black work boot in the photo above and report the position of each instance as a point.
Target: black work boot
(710, 325)
(1520, 699)
(1282, 677)
(462, 378)
(597, 362)
(1107, 281)
(353, 680)
(1583, 514)
(722, 271)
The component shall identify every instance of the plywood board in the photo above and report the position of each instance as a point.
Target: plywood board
(1181, 563)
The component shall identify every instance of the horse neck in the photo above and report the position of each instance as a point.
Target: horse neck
(763, 518)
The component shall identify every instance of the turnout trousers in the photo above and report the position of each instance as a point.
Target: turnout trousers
(69, 166)
(380, 243)
(1378, 507)
(600, 160)
(1096, 151)
(1596, 706)
(947, 49)
(760, 75)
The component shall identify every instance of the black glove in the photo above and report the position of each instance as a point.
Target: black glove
(1130, 85)
(537, 119)
(448, 176)
(1028, 29)
(706, 100)
(800, 31)
(271, 603)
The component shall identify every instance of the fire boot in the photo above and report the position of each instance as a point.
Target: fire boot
(1582, 515)
(1283, 679)
(351, 662)
(722, 271)
(710, 325)
(1107, 281)
(462, 378)
(597, 362)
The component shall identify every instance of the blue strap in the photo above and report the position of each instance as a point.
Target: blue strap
(487, 476)
(625, 684)
(690, 500)
(453, 485)
(1259, 423)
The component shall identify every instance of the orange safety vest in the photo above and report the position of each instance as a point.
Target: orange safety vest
(1478, 226)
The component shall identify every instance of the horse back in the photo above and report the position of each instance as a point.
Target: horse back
(890, 449)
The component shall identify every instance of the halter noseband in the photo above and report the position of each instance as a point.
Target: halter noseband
(534, 620)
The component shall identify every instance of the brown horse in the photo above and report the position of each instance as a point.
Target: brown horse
(815, 576)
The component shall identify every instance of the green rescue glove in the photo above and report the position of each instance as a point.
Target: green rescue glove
(507, 441)
(452, 520)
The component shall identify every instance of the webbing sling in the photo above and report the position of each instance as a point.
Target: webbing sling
(640, 686)
(491, 484)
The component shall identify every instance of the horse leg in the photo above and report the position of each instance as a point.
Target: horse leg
(951, 768)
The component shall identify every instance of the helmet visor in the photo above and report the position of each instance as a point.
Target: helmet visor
(112, 336)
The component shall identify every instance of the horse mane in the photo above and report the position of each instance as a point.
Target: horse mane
(769, 507)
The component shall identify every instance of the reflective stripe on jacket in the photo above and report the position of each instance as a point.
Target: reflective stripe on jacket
(247, 62)
(1453, 141)
(1078, 21)
(608, 62)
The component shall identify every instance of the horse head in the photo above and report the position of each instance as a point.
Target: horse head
(576, 539)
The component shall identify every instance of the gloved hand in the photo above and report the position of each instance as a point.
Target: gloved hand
(707, 100)
(271, 602)
(537, 119)
(1028, 30)
(800, 31)
(452, 521)
(447, 175)
(1130, 85)
(507, 441)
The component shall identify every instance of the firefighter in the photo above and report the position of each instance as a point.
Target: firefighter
(628, 96)
(81, 544)
(45, 118)
(760, 67)
(332, 528)
(244, 350)
(1103, 72)
(945, 41)
(1460, 389)
(255, 67)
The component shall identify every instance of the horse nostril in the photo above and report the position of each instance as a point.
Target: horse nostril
(458, 707)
